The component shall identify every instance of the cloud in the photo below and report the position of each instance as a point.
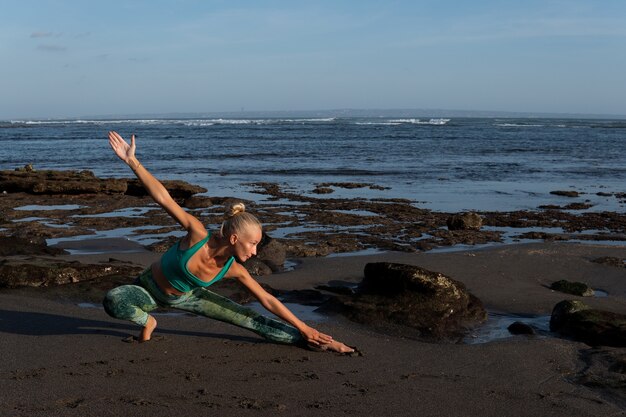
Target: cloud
(51, 48)
(46, 35)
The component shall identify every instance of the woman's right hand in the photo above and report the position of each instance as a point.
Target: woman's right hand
(121, 148)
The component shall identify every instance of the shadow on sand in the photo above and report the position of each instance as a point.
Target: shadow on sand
(45, 324)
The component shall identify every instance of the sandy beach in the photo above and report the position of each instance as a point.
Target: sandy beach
(64, 358)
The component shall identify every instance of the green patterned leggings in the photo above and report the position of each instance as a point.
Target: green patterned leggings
(133, 302)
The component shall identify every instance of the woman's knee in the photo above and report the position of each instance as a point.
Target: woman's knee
(121, 302)
(112, 302)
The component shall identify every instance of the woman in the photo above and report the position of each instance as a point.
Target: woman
(179, 279)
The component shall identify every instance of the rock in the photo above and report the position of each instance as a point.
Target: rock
(299, 249)
(26, 168)
(177, 189)
(197, 202)
(323, 190)
(271, 255)
(566, 193)
(575, 288)
(43, 272)
(257, 267)
(520, 328)
(577, 320)
(163, 245)
(51, 182)
(271, 252)
(610, 261)
(465, 221)
(10, 246)
(430, 302)
(59, 182)
(578, 206)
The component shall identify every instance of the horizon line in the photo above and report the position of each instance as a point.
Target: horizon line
(340, 112)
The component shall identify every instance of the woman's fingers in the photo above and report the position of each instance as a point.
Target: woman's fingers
(324, 338)
(320, 338)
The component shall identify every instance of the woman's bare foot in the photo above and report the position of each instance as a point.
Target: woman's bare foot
(146, 332)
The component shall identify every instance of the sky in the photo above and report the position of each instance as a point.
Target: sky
(65, 59)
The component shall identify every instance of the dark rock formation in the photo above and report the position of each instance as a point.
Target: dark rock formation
(177, 189)
(271, 255)
(565, 193)
(45, 272)
(58, 182)
(82, 182)
(595, 327)
(465, 221)
(197, 202)
(10, 246)
(323, 190)
(257, 267)
(271, 252)
(430, 302)
(575, 288)
(610, 261)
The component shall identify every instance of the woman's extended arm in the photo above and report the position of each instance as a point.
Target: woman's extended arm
(273, 305)
(156, 190)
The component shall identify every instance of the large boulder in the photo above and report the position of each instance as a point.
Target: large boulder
(431, 303)
(580, 322)
(271, 255)
(271, 252)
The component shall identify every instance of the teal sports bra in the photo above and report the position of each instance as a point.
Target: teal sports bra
(174, 266)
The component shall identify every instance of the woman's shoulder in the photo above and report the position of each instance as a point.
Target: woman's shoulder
(236, 270)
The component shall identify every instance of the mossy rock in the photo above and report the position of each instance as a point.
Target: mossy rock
(575, 288)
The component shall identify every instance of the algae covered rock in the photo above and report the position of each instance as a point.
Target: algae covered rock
(574, 288)
(431, 303)
(47, 272)
(580, 322)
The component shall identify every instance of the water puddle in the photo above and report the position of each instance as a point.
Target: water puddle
(305, 313)
(103, 241)
(600, 293)
(496, 327)
(36, 207)
(125, 212)
(368, 251)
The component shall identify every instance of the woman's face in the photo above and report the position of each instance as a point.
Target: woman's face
(244, 244)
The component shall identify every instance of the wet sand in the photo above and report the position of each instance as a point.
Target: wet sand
(63, 359)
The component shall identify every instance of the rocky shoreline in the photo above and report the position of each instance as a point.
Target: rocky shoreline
(62, 204)
(42, 206)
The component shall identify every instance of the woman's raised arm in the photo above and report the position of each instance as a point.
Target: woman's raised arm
(156, 190)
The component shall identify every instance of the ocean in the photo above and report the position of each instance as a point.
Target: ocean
(455, 164)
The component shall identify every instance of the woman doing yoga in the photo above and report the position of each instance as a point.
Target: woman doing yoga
(179, 279)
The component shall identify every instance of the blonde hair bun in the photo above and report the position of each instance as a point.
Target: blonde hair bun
(235, 209)
(237, 220)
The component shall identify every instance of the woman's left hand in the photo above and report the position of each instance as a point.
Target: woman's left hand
(314, 337)
(122, 149)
